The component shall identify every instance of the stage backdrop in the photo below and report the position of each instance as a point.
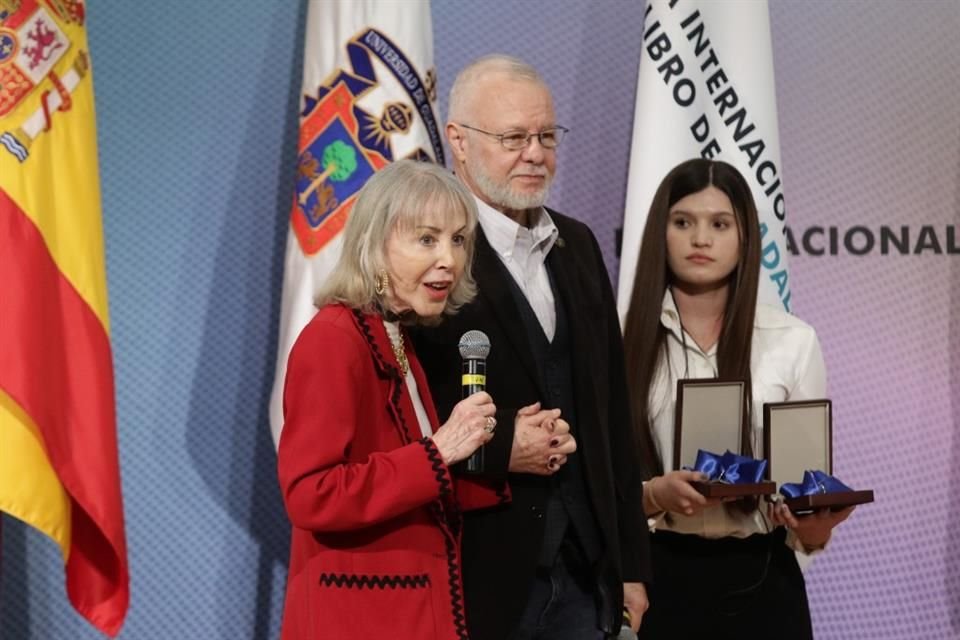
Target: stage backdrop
(197, 121)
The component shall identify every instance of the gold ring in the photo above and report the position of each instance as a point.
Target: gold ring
(491, 424)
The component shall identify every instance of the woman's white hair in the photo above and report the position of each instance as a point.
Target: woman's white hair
(397, 197)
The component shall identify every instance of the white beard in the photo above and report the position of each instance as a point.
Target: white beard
(502, 195)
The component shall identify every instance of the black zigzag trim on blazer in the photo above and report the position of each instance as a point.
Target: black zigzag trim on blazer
(453, 579)
(368, 334)
(352, 581)
(436, 462)
(395, 405)
(396, 377)
(447, 513)
(449, 510)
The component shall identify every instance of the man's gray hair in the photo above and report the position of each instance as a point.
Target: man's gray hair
(470, 75)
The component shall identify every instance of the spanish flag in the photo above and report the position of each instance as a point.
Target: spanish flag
(59, 470)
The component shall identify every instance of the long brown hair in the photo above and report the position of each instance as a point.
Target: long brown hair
(645, 338)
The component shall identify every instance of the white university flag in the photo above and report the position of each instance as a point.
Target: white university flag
(369, 97)
(706, 89)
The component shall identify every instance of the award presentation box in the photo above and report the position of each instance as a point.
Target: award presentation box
(798, 436)
(709, 416)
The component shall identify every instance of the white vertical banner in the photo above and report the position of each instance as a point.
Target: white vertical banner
(369, 97)
(706, 89)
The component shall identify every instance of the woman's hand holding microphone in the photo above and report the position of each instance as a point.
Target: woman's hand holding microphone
(471, 425)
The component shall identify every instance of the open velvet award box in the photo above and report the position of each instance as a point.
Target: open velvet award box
(709, 418)
(798, 442)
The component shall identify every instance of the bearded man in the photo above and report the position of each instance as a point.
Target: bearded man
(570, 552)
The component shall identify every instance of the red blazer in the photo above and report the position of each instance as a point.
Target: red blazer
(376, 513)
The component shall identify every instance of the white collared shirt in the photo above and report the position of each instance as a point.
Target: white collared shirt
(524, 252)
(785, 364)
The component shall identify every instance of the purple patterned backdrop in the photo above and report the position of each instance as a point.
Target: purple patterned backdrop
(870, 138)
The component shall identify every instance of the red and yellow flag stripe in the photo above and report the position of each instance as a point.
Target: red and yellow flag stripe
(59, 469)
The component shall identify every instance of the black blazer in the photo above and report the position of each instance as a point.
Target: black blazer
(501, 545)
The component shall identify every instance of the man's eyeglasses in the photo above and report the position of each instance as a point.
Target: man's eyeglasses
(517, 140)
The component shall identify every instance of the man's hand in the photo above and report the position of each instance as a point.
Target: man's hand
(541, 441)
(635, 602)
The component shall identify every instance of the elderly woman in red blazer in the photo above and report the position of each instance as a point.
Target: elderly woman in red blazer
(364, 466)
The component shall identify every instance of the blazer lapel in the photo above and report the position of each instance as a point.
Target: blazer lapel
(570, 292)
(495, 292)
(400, 404)
(567, 290)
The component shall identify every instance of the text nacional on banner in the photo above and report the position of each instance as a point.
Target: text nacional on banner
(706, 89)
(369, 97)
(59, 469)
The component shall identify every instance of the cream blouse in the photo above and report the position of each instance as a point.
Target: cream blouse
(786, 364)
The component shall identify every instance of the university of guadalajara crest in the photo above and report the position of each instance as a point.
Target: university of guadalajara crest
(342, 144)
(33, 42)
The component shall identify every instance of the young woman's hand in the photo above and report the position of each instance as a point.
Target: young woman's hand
(812, 530)
(673, 492)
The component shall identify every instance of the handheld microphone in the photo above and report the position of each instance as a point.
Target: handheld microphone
(626, 633)
(474, 349)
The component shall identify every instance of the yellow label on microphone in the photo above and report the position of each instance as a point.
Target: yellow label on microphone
(472, 379)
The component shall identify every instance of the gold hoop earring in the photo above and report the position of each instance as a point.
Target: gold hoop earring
(380, 282)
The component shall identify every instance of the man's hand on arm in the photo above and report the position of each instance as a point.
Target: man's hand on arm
(541, 441)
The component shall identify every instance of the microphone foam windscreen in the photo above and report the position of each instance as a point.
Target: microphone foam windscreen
(474, 345)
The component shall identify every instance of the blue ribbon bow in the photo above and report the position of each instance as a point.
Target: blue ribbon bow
(730, 468)
(814, 482)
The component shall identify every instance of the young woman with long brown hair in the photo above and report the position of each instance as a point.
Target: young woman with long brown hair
(718, 568)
